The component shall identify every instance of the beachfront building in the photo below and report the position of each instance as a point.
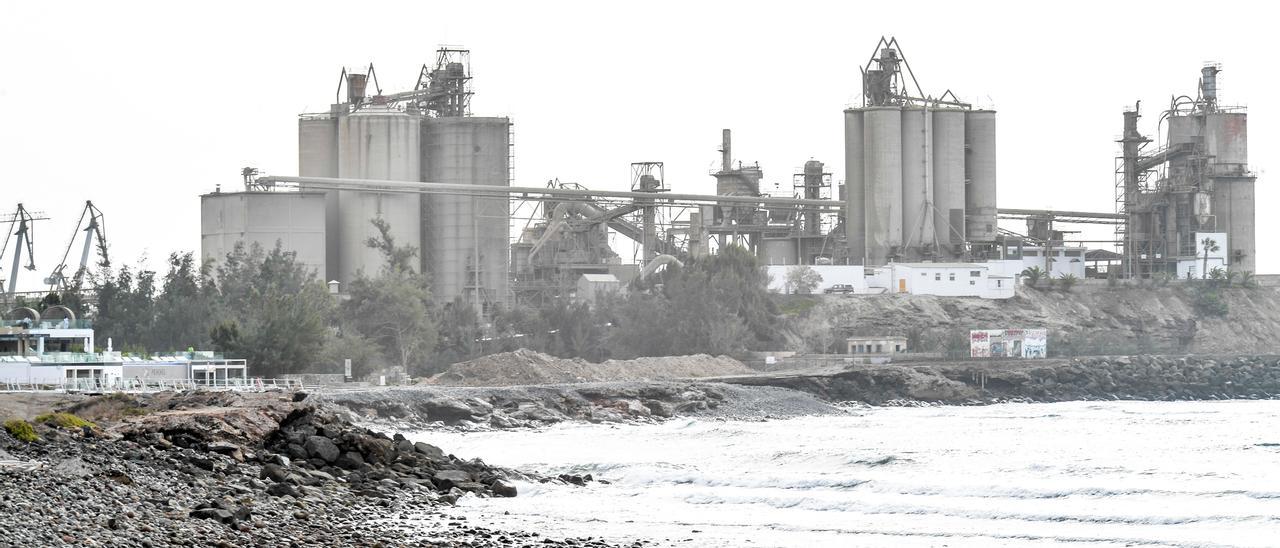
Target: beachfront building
(61, 353)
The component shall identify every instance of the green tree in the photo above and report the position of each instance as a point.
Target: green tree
(184, 307)
(272, 311)
(803, 279)
(394, 309)
(459, 335)
(717, 305)
(125, 308)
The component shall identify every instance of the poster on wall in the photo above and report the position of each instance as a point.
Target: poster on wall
(1008, 343)
(979, 346)
(1035, 343)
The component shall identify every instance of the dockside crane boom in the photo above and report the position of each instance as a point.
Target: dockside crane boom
(24, 222)
(94, 230)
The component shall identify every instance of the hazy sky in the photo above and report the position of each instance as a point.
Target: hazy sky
(141, 107)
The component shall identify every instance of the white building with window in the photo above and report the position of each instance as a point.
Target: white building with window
(984, 280)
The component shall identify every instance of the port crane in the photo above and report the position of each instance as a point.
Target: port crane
(94, 230)
(22, 225)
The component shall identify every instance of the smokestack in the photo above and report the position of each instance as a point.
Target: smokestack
(726, 153)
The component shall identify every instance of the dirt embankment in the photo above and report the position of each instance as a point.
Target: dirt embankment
(526, 367)
(1089, 320)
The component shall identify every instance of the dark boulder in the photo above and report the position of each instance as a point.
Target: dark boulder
(322, 447)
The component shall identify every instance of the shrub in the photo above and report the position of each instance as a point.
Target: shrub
(1033, 275)
(1248, 280)
(65, 420)
(1067, 281)
(1208, 301)
(21, 430)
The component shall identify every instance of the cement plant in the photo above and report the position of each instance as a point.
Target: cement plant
(898, 357)
(921, 193)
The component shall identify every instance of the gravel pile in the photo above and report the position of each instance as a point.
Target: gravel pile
(526, 367)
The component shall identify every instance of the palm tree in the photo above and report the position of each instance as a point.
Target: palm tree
(1210, 246)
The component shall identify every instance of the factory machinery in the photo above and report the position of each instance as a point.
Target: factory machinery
(1196, 184)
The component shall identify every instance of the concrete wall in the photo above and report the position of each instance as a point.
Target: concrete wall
(1063, 261)
(831, 275)
(295, 219)
(156, 372)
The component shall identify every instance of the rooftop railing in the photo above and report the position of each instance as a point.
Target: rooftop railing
(48, 324)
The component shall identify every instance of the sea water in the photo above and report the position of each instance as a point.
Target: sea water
(1069, 474)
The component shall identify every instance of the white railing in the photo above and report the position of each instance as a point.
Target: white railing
(95, 386)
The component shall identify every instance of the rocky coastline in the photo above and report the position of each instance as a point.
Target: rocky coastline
(1142, 377)
(212, 476)
(296, 469)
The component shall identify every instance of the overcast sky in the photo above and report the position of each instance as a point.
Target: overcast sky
(142, 107)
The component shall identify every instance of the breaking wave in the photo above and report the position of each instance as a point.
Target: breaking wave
(1194, 474)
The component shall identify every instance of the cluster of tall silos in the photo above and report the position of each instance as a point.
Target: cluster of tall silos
(920, 182)
(463, 239)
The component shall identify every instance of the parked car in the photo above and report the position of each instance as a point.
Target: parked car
(839, 288)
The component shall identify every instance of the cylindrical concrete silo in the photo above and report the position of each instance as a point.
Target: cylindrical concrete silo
(854, 215)
(376, 143)
(948, 180)
(917, 182)
(980, 196)
(318, 157)
(882, 136)
(295, 220)
(1232, 203)
(466, 238)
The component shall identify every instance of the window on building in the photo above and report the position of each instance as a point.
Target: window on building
(999, 283)
(1073, 253)
(975, 273)
(924, 273)
(971, 282)
(937, 276)
(897, 348)
(951, 277)
(1030, 253)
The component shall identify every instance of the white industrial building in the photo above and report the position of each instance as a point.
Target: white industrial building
(989, 280)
